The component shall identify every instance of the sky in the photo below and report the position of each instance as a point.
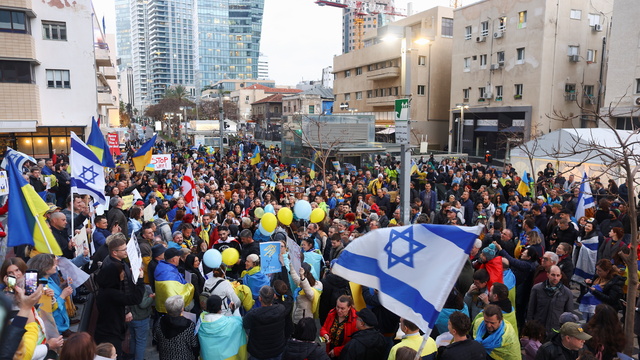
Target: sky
(299, 37)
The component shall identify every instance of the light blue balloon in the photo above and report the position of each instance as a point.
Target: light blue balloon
(302, 209)
(263, 231)
(269, 209)
(212, 258)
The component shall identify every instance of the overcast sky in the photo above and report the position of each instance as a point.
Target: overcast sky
(299, 37)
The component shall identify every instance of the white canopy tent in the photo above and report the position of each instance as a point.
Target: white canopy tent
(571, 151)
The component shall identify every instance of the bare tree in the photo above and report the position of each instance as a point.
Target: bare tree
(320, 137)
(619, 157)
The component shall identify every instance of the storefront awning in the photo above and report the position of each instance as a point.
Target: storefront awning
(387, 131)
(18, 126)
(513, 129)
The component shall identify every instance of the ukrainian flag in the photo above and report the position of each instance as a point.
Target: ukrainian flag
(225, 338)
(26, 213)
(312, 171)
(169, 282)
(255, 159)
(240, 151)
(142, 158)
(99, 146)
(523, 187)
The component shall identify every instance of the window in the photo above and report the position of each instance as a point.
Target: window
(467, 64)
(573, 50)
(522, 19)
(483, 61)
(58, 79)
(359, 95)
(312, 109)
(594, 19)
(369, 94)
(395, 91)
(465, 94)
(637, 86)
(484, 26)
(499, 92)
(467, 33)
(347, 73)
(500, 57)
(591, 55)
(447, 27)
(422, 60)
(13, 21)
(576, 14)
(347, 97)
(54, 30)
(358, 71)
(15, 72)
(520, 56)
(421, 89)
(482, 92)
(588, 90)
(502, 24)
(570, 88)
(518, 91)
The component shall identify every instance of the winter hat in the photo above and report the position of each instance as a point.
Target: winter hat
(489, 252)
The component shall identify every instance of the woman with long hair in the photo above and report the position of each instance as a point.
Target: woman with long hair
(605, 287)
(307, 294)
(607, 336)
(79, 346)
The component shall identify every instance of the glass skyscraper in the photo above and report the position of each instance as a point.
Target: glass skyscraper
(193, 43)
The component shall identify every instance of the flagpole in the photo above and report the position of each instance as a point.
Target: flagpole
(43, 235)
(424, 342)
(71, 189)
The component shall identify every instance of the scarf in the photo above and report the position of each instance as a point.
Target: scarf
(551, 290)
(204, 234)
(492, 341)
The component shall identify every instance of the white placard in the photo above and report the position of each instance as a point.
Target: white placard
(4, 183)
(136, 195)
(135, 258)
(70, 271)
(149, 212)
(294, 254)
(81, 241)
(161, 161)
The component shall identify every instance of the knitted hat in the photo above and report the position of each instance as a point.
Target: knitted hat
(489, 252)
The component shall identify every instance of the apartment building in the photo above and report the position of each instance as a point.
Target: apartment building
(524, 68)
(49, 59)
(622, 100)
(414, 64)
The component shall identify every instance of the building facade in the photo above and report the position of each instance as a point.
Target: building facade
(525, 68)
(50, 58)
(369, 80)
(621, 104)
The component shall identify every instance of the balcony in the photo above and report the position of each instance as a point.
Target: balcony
(17, 46)
(386, 73)
(105, 98)
(383, 100)
(110, 73)
(102, 56)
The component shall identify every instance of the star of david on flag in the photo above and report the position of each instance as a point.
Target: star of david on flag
(86, 171)
(413, 267)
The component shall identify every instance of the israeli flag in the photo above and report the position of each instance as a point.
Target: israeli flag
(17, 157)
(87, 172)
(414, 267)
(585, 200)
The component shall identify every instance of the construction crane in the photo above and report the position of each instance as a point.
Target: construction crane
(360, 10)
(455, 3)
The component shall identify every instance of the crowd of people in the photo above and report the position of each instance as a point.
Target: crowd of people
(514, 299)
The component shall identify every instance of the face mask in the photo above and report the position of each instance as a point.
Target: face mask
(261, 187)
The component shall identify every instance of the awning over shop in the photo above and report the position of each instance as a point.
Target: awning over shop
(513, 129)
(8, 126)
(487, 129)
(387, 131)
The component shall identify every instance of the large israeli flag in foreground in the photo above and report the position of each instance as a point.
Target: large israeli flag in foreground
(414, 267)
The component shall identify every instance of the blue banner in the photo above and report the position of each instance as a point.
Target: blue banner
(269, 252)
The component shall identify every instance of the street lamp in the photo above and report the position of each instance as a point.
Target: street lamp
(388, 33)
(462, 108)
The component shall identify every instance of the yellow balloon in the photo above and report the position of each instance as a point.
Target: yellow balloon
(285, 216)
(258, 212)
(230, 256)
(317, 215)
(269, 222)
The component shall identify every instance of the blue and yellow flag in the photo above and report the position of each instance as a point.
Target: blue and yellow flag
(312, 171)
(26, 214)
(99, 146)
(240, 151)
(523, 187)
(142, 158)
(169, 282)
(225, 338)
(256, 156)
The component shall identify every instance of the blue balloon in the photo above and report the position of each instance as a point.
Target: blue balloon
(302, 209)
(263, 231)
(212, 258)
(269, 208)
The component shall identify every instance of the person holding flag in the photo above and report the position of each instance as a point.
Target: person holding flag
(255, 158)
(142, 157)
(188, 189)
(87, 172)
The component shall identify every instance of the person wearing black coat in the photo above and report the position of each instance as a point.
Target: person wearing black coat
(367, 342)
(265, 326)
(388, 322)
(523, 269)
(114, 295)
(333, 286)
(302, 344)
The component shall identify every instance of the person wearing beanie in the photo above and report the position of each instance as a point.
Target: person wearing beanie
(367, 342)
(169, 282)
(157, 255)
(492, 263)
